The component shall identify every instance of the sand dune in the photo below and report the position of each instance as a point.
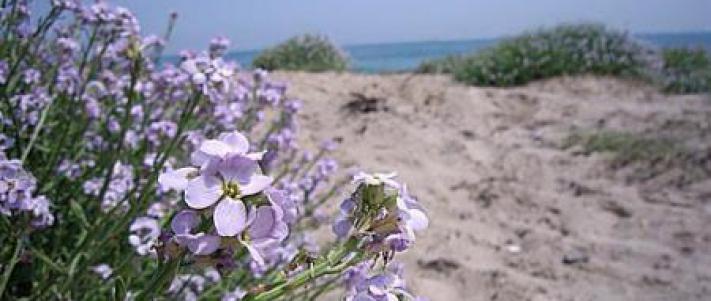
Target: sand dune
(514, 215)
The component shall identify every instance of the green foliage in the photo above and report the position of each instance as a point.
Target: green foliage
(577, 49)
(443, 65)
(562, 50)
(626, 147)
(686, 70)
(312, 53)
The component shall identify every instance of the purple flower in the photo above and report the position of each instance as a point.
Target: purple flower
(285, 201)
(266, 231)
(384, 212)
(177, 179)
(3, 71)
(200, 244)
(234, 295)
(17, 188)
(411, 212)
(386, 286)
(144, 233)
(103, 270)
(376, 179)
(218, 46)
(235, 179)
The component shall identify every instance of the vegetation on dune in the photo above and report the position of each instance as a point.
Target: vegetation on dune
(442, 65)
(577, 49)
(308, 52)
(686, 70)
(626, 147)
(649, 155)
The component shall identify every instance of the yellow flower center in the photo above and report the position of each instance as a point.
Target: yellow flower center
(231, 189)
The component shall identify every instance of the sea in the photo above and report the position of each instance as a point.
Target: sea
(402, 57)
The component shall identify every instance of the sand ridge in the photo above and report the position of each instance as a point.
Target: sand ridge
(514, 216)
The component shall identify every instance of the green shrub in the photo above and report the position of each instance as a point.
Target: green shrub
(306, 53)
(686, 70)
(626, 147)
(562, 50)
(442, 65)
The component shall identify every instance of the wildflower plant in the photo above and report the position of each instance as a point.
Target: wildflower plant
(308, 52)
(123, 177)
(568, 49)
(686, 70)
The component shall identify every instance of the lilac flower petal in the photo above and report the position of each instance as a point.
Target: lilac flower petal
(264, 222)
(204, 244)
(230, 217)
(251, 214)
(417, 219)
(256, 256)
(184, 221)
(215, 148)
(363, 297)
(256, 184)
(208, 164)
(237, 142)
(237, 168)
(256, 156)
(176, 179)
(199, 158)
(202, 192)
(347, 206)
(341, 227)
(281, 199)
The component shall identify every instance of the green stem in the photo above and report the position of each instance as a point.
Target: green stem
(166, 273)
(10, 266)
(333, 263)
(36, 132)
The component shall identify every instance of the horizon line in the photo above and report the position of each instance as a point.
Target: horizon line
(446, 40)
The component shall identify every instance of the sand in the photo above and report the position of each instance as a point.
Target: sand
(515, 216)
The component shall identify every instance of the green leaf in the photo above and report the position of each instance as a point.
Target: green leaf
(48, 261)
(78, 212)
(119, 289)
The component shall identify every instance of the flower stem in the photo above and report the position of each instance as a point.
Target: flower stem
(334, 263)
(36, 132)
(10, 266)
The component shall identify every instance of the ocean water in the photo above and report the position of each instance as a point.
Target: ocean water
(398, 57)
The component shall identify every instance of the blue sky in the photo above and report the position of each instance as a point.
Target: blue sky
(259, 23)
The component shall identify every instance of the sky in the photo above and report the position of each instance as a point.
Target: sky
(254, 24)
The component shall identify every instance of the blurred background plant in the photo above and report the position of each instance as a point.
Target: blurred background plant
(313, 53)
(574, 49)
(686, 70)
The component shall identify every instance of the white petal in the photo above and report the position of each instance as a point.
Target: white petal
(203, 244)
(199, 78)
(256, 156)
(176, 179)
(236, 141)
(418, 219)
(215, 148)
(256, 256)
(202, 192)
(190, 66)
(256, 184)
(230, 217)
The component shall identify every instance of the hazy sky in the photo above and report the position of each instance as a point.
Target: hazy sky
(258, 23)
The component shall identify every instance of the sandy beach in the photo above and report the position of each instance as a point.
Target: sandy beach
(514, 214)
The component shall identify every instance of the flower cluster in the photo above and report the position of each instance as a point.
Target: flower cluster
(180, 179)
(385, 286)
(225, 184)
(17, 194)
(383, 212)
